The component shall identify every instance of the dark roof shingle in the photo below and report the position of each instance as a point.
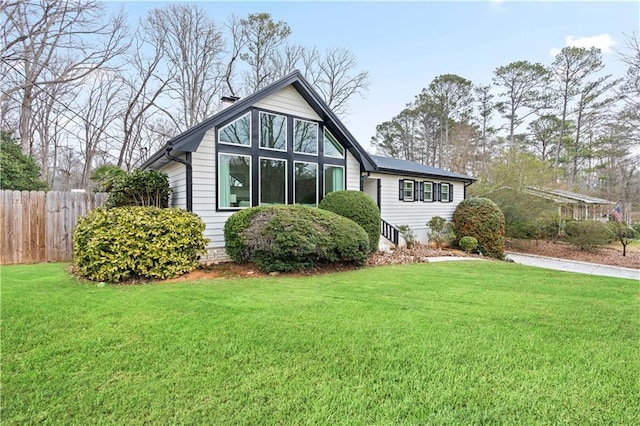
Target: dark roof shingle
(396, 166)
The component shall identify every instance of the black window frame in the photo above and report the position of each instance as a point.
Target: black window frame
(255, 151)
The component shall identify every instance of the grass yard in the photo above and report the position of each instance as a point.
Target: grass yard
(447, 343)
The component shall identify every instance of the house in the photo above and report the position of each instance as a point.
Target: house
(284, 145)
(575, 206)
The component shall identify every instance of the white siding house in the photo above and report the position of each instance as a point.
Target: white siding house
(283, 145)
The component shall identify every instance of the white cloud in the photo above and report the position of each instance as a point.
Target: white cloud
(604, 42)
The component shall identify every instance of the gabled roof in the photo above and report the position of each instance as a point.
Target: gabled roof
(406, 167)
(562, 196)
(189, 141)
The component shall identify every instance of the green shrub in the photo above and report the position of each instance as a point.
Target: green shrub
(290, 238)
(140, 188)
(586, 234)
(360, 208)
(521, 211)
(407, 235)
(440, 231)
(468, 244)
(124, 243)
(19, 172)
(549, 226)
(623, 233)
(482, 219)
(235, 236)
(106, 176)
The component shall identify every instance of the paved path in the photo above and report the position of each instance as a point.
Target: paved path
(574, 266)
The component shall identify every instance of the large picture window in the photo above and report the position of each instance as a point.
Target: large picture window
(332, 147)
(305, 137)
(273, 131)
(234, 181)
(273, 181)
(306, 183)
(238, 132)
(333, 179)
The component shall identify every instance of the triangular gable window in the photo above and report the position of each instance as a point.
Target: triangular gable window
(332, 147)
(238, 132)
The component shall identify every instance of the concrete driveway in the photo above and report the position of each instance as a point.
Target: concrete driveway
(574, 266)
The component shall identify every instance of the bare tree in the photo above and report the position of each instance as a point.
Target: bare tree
(55, 42)
(51, 120)
(193, 46)
(100, 110)
(143, 86)
(335, 77)
(238, 43)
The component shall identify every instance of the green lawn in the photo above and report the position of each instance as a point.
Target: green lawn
(447, 343)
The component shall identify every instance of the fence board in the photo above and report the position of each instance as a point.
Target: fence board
(25, 233)
(38, 226)
(5, 209)
(16, 225)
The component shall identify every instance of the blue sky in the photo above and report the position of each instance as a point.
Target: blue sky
(404, 45)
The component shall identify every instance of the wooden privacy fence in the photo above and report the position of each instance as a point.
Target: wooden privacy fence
(38, 226)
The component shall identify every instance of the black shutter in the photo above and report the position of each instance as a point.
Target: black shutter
(436, 192)
(451, 193)
(401, 193)
(421, 191)
(416, 191)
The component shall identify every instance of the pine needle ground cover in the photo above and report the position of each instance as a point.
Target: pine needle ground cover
(449, 343)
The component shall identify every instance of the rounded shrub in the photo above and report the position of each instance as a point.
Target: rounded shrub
(235, 236)
(290, 238)
(482, 219)
(468, 244)
(124, 243)
(586, 234)
(360, 208)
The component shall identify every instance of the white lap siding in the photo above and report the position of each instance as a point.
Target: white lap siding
(353, 173)
(204, 196)
(416, 214)
(177, 182)
(288, 101)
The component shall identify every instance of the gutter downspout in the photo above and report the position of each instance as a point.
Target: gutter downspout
(189, 167)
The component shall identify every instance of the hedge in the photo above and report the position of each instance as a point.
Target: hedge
(289, 238)
(482, 219)
(125, 243)
(360, 208)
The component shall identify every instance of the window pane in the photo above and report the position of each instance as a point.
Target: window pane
(408, 190)
(273, 131)
(234, 181)
(333, 179)
(305, 137)
(428, 191)
(273, 181)
(306, 184)
(331, 146)
(444, 192)
(237, 132)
